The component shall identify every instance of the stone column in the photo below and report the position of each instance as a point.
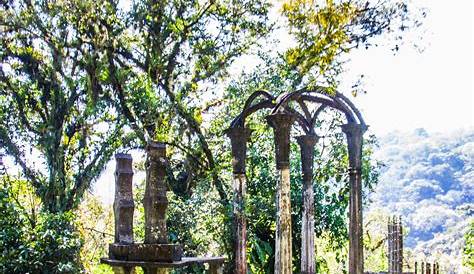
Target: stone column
(400, 245)
(281, 124)
(308, 261)
(354, 134)
(155, 201)
(123, 205)
(238, 138)
(390, 245)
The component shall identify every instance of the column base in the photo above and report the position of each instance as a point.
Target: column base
(146, 252)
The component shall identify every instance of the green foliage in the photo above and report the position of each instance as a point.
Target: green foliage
(326, 31)
(52, 245)
(468, 259)
(95, 225)
(52, 104)
(167, 57)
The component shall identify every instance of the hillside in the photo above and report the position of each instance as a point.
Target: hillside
(429, 180)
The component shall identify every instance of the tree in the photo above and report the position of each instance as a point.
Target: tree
(166, 60)
(34, 242)
(468, 259)
(327, 31)
(56, 119)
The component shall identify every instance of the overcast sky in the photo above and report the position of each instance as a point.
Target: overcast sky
(432, 89)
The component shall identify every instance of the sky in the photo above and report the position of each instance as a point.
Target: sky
(432, 89)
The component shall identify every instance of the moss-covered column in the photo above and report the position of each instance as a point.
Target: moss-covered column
(238, 138)
(123, 205)
(281, 124)
(123, 202)
(155, 201)
(354, 133)
(308, 261)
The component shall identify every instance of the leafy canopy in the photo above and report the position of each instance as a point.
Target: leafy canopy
(55, 118)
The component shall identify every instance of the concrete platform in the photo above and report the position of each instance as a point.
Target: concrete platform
(215, 264)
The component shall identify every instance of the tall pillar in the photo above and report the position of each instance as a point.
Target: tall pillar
(238, 138)
(155, 201)
(308, 261)
(354, 134)
(123, 205)
(400, 245)
(390, 245)
(281, 124)
(123, 202)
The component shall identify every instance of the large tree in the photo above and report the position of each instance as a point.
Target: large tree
(164, 65)
(55, 119)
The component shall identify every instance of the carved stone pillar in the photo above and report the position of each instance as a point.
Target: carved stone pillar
(308, 261)
(238, 138)
(155, 201)
(354, 134)
(123, 202)
(390, 245)
(123, 205)
(281, 124)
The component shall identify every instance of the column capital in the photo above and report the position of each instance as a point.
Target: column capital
(238, 140)
(281, 120)
(238, 133)
(354, 129)
(123, 156)
(156, 148)
(123, 163)
(307, 141)
(354, 133)
(281, 124)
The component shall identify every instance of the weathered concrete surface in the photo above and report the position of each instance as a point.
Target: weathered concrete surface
(354, 133)
(215, 264)
(123, 202)
(308, 260)
(239, 137)
(281, 124)
(155, 201)
(146, 252)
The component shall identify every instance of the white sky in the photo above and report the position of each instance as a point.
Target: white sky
(433, 89)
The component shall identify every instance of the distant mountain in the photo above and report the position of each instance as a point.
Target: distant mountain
(429, 180)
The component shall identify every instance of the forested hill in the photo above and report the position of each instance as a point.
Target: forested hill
(429, 180)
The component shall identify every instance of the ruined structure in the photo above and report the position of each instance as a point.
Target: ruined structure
(395, 252)
(282, 119)
(156, 254)
(395, 245)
